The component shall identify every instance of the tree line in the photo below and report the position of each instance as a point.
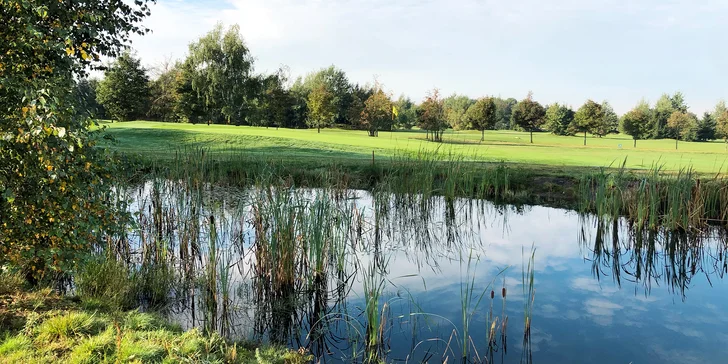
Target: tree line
(216, 83)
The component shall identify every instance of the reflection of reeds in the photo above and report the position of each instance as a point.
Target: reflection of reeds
(529, 293)
(374, 284)
(653, 256)
(206, 219)
(470, 299)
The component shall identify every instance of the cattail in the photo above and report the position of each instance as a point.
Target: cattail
(503, 292)
(492, 294)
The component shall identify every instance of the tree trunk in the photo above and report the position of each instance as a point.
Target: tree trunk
(319, 130)
(584, 137)
(531, 136)
(635, 143)
(676, 143)
(482, 135)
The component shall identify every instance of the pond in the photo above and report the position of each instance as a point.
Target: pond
(355, 276)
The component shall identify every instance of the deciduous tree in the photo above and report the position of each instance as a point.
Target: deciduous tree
(529, 115)
(220, 69)
(124, 91)
(321, 108)
(455, 108)
(163, 96)
(481, 115)
(431, 115)
(681, 124)
(720, 115)
(558, 119)
(337, 84)
(377, 113)
(636, 122)
(588, 117)
(406, 116)
(56, 199)
(503, 111)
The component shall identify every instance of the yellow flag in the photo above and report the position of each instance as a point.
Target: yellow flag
(394, 111)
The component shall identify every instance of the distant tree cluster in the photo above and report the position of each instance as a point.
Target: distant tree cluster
(670, 118)
(216, 84)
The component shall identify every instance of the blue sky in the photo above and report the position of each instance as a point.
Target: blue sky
(563, 50)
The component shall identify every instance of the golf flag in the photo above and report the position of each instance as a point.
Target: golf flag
(394, 111)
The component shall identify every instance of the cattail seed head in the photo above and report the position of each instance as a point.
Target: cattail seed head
(492, 294)
(503, 292)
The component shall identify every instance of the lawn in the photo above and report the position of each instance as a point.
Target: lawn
(163, 139)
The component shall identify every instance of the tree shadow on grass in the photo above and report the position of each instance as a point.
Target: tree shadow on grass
(167, 142)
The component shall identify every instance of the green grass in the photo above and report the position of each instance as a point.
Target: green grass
(161, 140)
(62, 330)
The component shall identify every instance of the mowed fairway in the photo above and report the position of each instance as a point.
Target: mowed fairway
(156, 139)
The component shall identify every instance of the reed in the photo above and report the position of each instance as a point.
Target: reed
(656, 199)
(529, 295)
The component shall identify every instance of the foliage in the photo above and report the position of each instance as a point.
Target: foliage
(56, 199)
(503, 111)
(10, 282)
(455, 108)
(558, 119)
(321, 108)
(219, 68)
(588, 118)
(377, 113)
(481, 115)
(431, 115)
(720, 115)
(124, 91)
(406, 116)
(609, 123)
(336, 83)
(84, 92)
(190, 106)
(359, 95)
(278, 104)
(636, 122)
(705, 128)
(665, 106)
(529, 115)
(681, 125)
(164, 97)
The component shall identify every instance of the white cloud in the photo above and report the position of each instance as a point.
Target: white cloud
(592, 285)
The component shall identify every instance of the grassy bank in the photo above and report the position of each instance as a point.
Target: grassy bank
(551, 152)
(40, 326)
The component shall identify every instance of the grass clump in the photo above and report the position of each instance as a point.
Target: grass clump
(105, 282)
(10, 282)
(72, 333)
(13, 344)
(95, 349)
(69, 326)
